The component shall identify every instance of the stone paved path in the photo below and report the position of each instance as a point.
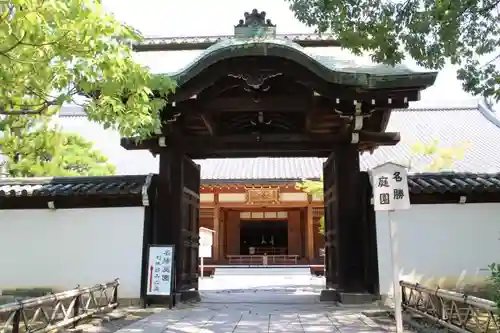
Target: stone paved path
(258, 303)
(257, 312)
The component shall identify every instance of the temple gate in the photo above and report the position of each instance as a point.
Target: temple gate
(259, 94)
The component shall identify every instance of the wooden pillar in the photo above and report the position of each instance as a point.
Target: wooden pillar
(309, 231)
(222, 234)
(294, 233)
(232, 226)
(169, 219)
(216, 229)
(351, 254)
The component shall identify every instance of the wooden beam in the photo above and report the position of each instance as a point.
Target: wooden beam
(381, 138)
(386, 115)
(344, 101)
(246, 145)
(282, 141)
(209, 123)
(246, 103)
(147, 144)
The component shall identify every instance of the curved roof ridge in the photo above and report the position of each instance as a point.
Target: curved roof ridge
(337, 71)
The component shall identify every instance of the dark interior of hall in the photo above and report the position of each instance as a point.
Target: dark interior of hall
(265, 237)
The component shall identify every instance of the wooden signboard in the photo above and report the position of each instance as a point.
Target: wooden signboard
(161, 275)
(263, 195)
(391, 193)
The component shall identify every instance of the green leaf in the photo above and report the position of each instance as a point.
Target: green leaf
(418, 148)
(32, 148)
(432, 33)
(52, 46)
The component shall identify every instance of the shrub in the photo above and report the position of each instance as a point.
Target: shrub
(495, 279)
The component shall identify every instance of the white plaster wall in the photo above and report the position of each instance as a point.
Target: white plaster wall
(447, 245)
(64, 248)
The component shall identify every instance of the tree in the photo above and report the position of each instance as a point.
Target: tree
(495, 283)
(433, 157)
(314, 188)
(33, 147)
(436, 158)
(432, 32)
(53, 50)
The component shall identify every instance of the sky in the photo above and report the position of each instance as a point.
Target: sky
(161, 18)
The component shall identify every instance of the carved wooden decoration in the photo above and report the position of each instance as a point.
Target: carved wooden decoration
(318, 212)
(255, 80)
(263, 196)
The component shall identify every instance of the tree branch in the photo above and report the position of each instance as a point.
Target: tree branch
(46, 43)
(27, 111)
(495, 58)
(19, 41)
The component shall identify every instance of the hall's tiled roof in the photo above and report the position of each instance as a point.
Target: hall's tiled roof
(127, 186)
(72, 186)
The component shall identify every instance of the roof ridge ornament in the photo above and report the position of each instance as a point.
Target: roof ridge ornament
(254, 25)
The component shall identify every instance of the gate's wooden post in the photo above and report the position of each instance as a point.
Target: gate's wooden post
(370, 236)
(191, 224)
(330, 202)
(346, 271)
(167, 229)
(349, 226)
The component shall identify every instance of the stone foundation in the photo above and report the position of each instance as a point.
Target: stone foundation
(332, 295)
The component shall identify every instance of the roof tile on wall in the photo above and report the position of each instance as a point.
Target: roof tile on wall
(424, 183)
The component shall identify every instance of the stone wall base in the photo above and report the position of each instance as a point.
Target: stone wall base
(332, 295)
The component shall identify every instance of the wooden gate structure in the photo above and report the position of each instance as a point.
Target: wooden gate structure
(260, 94)
(176, 219)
